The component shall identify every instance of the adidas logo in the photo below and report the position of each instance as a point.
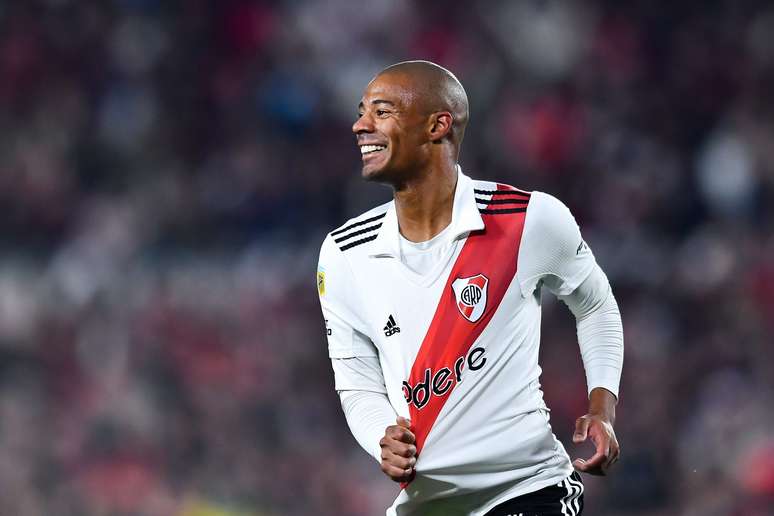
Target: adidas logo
(391, 328)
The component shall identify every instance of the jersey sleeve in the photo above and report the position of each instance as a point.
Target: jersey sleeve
(345, 324)
(552, 250)
(600, 332)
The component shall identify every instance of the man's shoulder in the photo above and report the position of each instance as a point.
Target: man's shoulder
(498, 198)
(358, 230)
(544, 211)
(487, 188)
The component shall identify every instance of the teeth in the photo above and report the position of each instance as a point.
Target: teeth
(366, 149)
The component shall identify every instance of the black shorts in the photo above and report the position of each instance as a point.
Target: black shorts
(563, 499)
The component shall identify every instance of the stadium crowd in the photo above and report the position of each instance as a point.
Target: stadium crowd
(168, 170)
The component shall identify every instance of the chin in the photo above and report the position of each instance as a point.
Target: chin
(377, 175)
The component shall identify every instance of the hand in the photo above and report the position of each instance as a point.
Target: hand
(398, 451)
(602, 435)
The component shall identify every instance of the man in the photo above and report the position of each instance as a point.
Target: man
(432, 309)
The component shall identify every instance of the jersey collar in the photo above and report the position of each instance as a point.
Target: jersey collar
(465, 218)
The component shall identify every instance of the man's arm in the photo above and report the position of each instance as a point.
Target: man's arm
(360, 385)
(358, 376)
(371, 418)
(600, 335)
(556, 256)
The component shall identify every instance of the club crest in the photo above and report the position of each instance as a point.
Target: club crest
(471, 296)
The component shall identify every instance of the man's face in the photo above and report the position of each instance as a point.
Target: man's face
(391, 130)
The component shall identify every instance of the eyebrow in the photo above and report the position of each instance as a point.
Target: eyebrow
(377, 101)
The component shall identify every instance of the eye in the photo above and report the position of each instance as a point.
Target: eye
(380, 112)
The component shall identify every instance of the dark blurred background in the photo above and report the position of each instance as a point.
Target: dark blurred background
(168, 170)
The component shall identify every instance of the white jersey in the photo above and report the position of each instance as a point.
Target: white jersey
(458, 343)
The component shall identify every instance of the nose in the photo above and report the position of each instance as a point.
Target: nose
(363, 124)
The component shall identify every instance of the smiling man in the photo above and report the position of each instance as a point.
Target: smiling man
(432, 308)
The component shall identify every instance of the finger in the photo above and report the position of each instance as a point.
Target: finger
(403, 449)
(400, 433)
(615, 453)
(395, 473)
(398, 447)
(602, 441)
(592, 464)
(582, 466)
(581, 430)
(407, 436)
(400, 469)
(398, 460)
(406, 463)
(404, 422)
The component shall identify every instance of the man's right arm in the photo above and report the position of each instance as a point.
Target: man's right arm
(364, 400)
(358, 376)
(373, 422)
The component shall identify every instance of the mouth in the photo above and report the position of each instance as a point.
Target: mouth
(371, 150)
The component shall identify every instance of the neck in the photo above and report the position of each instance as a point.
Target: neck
(424, 205)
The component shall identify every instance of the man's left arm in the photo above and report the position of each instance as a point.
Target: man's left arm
(600, 335)
(558, 258)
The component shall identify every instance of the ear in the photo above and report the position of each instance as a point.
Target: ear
(440, 125)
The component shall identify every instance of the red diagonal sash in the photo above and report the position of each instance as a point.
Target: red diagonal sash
(492, 252)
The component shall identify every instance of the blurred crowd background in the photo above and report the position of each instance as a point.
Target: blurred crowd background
(168, 170)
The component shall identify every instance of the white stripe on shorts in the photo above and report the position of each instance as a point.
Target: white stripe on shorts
(576, 499)
(570, 503)
(566, 509)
